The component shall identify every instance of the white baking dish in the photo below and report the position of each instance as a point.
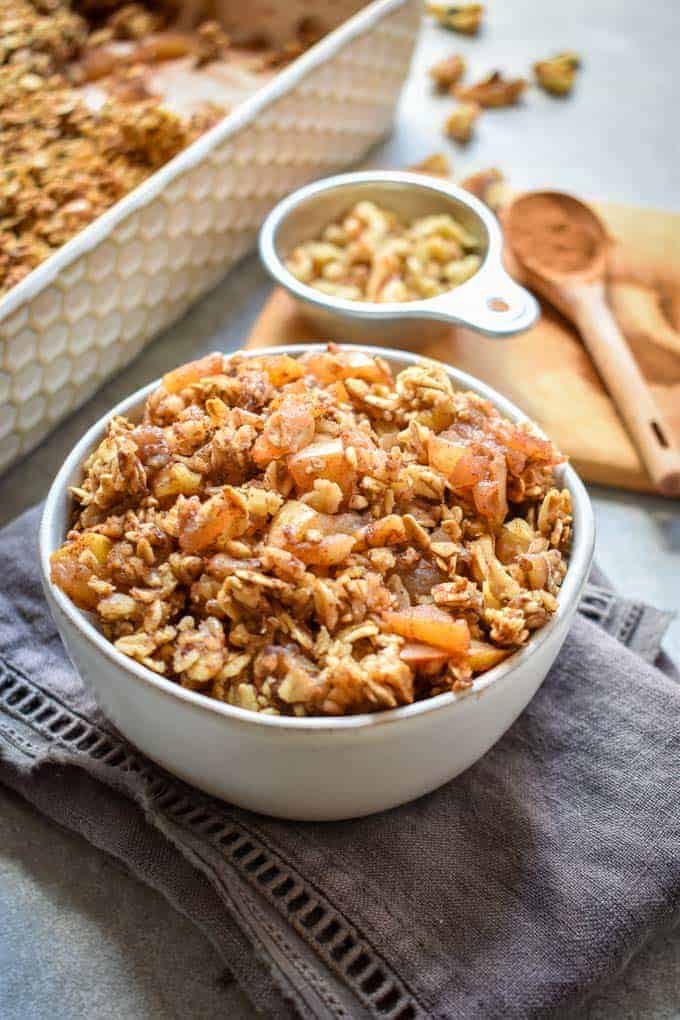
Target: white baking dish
(93, 305)
(309, 768)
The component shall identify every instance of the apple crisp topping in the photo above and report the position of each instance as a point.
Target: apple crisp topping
(314, 536)
(371, 255)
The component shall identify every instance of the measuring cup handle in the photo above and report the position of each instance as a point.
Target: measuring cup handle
(490, 303)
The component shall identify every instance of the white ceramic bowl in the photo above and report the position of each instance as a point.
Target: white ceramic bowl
(320, 768)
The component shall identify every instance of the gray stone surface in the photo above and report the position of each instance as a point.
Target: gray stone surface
(78, 936)
(81, 937)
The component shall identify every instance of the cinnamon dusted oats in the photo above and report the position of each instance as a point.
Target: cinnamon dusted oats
(314, 536)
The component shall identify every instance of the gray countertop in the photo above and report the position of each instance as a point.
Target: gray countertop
(79, 937)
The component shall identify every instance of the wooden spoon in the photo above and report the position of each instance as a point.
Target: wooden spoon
(561, 247)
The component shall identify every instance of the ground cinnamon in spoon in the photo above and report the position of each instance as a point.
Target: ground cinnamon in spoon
(553, 233)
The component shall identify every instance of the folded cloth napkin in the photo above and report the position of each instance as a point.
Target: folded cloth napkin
(510, 891)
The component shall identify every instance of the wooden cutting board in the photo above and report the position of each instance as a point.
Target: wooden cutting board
(547, 371)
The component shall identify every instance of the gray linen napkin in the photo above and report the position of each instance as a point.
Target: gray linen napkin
(509, 892)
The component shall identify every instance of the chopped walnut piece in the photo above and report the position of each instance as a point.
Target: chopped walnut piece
(463, 18)
(558, 74)
(507, 627)
(347, 568)
(447, 72)
(117, 607)
(494, 90)
(436, 164)
(133, 21)
(461, 594)
(211, 44)
(199, 652)
(488, 185)
(554, 518)
(459, 125)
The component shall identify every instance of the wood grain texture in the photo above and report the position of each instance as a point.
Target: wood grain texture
(547, 371)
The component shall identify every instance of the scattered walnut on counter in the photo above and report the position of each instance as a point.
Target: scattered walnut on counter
(558, 74)
(488, 185)
(494, 90)
(133, 21)
(463, 18)
(308, 32)
(316, 536)
(371, 255)
(211, 43)
(447, 72)
(459, 125)
(437, 165)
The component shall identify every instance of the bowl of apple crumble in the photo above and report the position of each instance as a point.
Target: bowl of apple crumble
(315, 581)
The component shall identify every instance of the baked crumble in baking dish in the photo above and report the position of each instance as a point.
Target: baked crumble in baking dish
(315, 536)
(96, 95)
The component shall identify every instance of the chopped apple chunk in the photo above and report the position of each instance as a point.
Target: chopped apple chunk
(205, 525)
(455, 461)
(193, 372)
(419, 656)
(430, 625)
(288, 429)
(329, 367)
(303, 532)
(483, 656)
(322, 459)
(514, 539)
(175, 480)
(280, 368)
(72, 569)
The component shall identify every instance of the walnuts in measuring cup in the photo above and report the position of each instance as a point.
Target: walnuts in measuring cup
(372, 255)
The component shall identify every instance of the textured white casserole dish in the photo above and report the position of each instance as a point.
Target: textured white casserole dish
(320, 768)
(92, 306)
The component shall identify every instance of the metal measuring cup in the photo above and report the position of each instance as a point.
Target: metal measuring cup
(490, 302)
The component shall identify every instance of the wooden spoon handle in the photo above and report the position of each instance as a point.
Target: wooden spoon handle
(628, 389)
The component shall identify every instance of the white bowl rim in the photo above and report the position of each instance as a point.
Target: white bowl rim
(570, 592)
